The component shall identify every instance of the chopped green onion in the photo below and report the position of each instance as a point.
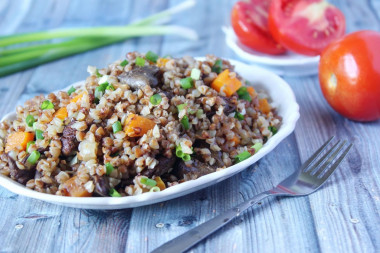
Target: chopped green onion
(116, 127)
(140, 61)
(98, 74)
(114, 193)
(47, 105)
(29, 120)
(273, 129)
(186, 157)
(195, 74)
(155, 189)
(33, 157)
(71, 90)
(124, 63)
(109, 168)
(155, 99)
(39, 134)
(239, 116)
(217, 67)
(187, 83)
(257, 146)
(35, 126)
(28, 145)
(148, 181)
(185, 122)
(150, 56)
(242, 156)
(110, 87)
(99, 91)
(244, 94)
(199, 113)
(178, 151)
(181, 107)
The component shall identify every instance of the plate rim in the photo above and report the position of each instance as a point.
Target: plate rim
(231, 41)
(174, 191)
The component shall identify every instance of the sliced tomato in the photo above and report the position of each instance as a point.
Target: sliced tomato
(250, 23)
(305, 26)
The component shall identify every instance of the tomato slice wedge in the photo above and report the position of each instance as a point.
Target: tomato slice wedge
(250, 23)
(305, 26)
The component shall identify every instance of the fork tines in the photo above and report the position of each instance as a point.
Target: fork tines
(326, 165)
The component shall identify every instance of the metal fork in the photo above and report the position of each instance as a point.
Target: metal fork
(310, 176)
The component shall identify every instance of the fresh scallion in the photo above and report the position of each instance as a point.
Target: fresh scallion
(181, 107)
(29, 120)
(185, 122)
(178, 151)
(187, 83)
(186, 157)
(257, 146)
(47, 105)
(97, 73)
(148, 181)
(150, 56)
(116, 127)
(124, 63)
(155, 189)
(110, 87)
(217, 67)
(114, 193)
(71, 90)
(33, 157)
(81, 40)
(155, 99)
(39, 134)
(140, 61)
(28, 145)
(273, 129)
(242, 156)
(109, 168)
(99, 91)
(239, 116)
(244, 94)
(195, 74)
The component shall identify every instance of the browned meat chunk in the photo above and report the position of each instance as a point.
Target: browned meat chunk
(69, 140)
(141, 76)
(195, 170)
(102, 186)
(163, 166)
(21, 176)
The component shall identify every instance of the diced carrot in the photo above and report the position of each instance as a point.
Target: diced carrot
(236, 140)
(138, 152)
(18, 140)
(73, 188)
(136, 125)
(225, 83)
(160, 183)
(251, 92)
(161, 62)
(264, 106)
(61, 113)
(77, 97)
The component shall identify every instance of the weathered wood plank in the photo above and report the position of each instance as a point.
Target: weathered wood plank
(342, 217)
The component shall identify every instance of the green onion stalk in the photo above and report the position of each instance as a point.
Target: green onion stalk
(83, 39)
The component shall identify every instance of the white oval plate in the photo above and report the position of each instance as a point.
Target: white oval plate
(283, 99)
(288, 64)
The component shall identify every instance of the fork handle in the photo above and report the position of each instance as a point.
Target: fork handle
(195, 235)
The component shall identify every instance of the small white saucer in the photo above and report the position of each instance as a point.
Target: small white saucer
(288, 64)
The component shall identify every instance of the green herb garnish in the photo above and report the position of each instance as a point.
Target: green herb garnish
(187, 83)
(109, 168)
(244, 94)
(71, 90)
(239, 116)
(29, 120)
(242, 156)
(47, 105)
(116, 127)
(33, 157)
(148, 181)
(39, 134)
(124, 63)
(140, 61)
(114, 193)
(155, 99)
(217, 67)
(150, 56)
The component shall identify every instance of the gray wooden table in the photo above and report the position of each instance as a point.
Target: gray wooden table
(344, 216)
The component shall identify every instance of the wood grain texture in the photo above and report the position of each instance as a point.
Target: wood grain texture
(344, 216)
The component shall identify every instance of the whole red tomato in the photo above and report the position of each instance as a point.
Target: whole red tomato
(349, 75)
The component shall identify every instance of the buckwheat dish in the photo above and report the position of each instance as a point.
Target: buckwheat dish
(140, 124)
